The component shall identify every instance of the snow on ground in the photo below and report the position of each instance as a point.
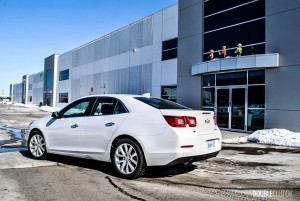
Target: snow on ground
(281, 137)
(45, 108)
(26, 105)
(49, 109)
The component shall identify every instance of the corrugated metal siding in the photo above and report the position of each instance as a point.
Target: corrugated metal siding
(124, 36)
(133, 80)
(136, 35)
(136, 80)
(140, 78)
(123, 78)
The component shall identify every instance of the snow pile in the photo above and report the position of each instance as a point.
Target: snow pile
(275, 136)
(238, 140)
(26, 105)
(47, 108)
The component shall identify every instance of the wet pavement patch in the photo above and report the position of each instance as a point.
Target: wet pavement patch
(261, 150)
(241, 163)
(20, 149)
(17, 140)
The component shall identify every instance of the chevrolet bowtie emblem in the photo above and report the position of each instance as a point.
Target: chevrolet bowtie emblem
(207, 121)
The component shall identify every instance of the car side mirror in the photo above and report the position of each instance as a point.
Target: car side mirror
(55, 115)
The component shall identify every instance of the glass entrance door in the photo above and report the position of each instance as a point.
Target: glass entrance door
(223, 108)
(238, 108)
(231, 107)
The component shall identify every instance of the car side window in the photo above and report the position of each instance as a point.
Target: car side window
(104, 106)
(119, 108)
(78, 109)
(108, 106)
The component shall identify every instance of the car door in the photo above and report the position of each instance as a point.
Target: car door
(96, 132)
(64, 132)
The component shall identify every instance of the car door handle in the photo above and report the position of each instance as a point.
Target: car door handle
(74, 126)
(109, 124)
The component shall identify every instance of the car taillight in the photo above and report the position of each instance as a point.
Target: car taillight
(181, 121)
(191, 121)
(215, 120)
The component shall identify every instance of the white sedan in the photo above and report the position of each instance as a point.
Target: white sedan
(131, 131)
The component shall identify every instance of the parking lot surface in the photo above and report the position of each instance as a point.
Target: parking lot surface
(240, 172)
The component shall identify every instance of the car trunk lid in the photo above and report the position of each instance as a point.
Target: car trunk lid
(205, 119)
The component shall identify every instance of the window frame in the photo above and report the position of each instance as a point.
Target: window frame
(168, 53)
(61, 77)
(59, 97)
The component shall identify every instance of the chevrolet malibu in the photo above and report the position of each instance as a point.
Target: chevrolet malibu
(130, 131)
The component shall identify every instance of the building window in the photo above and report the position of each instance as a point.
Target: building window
(48, 80)
(64, 75)
(30, 87)
(63, 97)
(227, 23)
(169, 49)
(169, 93)
(30, 99)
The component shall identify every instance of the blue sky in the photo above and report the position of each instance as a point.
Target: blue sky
(31, 30)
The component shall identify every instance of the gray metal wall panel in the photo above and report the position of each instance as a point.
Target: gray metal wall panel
(91, 52)
(278, 6)
(86, 83)
(133, 80)
(114, 44)
(125, 40)
(104, 45)
(147, 37)
(140, 79)
(97, 50)
(189, 50)
(278, 119)
(281, 29)
(100, 82)
(123, 81)
(282, 84)
(75, 89)
(135, 35)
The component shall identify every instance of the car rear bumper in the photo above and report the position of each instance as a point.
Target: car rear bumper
(181, 148)
(191, 159)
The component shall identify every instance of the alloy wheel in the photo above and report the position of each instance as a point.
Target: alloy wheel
(126, 158)
(37, 145)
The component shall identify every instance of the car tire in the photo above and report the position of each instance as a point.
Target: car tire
(128, 159)
(37, 146)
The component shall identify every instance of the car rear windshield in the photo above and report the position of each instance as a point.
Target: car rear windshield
(161, 103)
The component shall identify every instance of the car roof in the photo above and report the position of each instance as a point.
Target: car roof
(112, 95)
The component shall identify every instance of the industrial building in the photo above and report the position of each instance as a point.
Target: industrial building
(188, 53)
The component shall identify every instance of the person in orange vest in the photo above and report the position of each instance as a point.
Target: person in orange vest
(222, 53)
(211, 56)
(239, 50)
